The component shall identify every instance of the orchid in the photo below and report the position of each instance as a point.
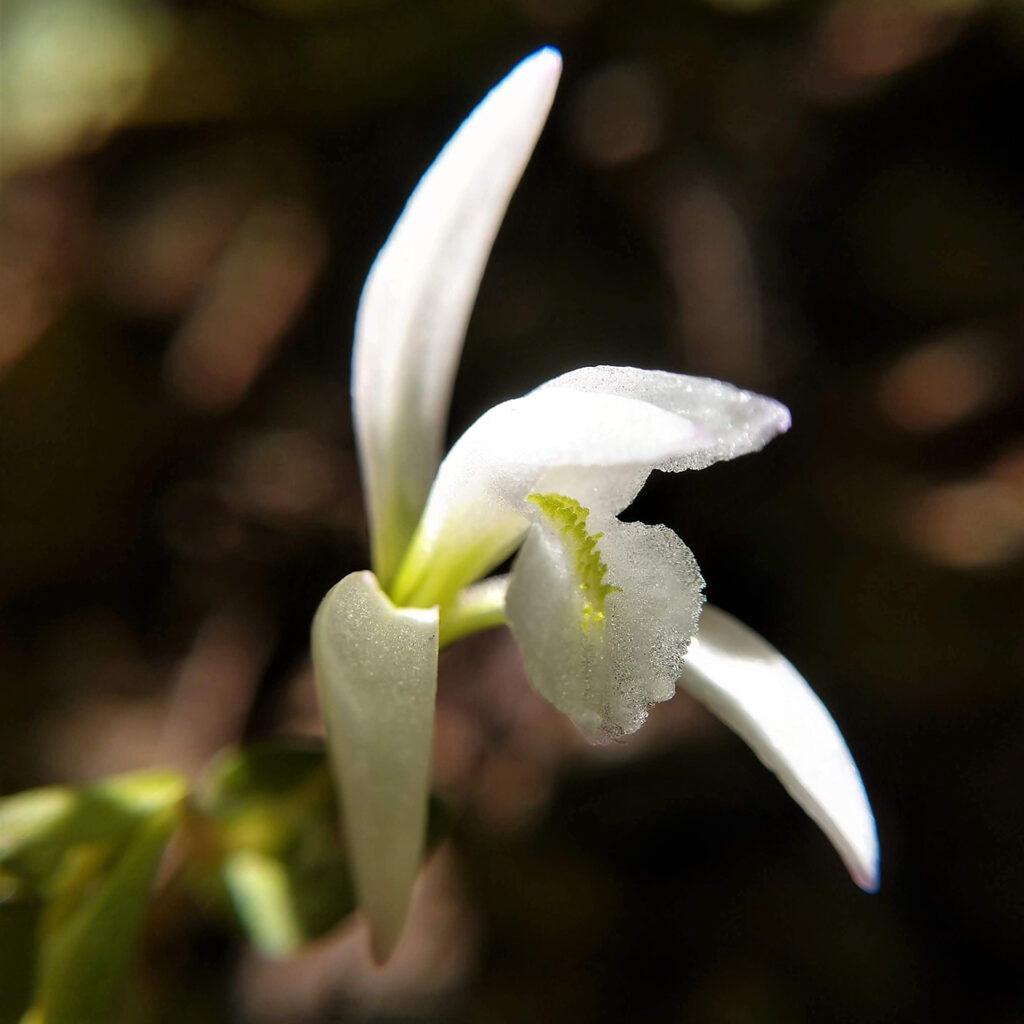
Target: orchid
(609, 615)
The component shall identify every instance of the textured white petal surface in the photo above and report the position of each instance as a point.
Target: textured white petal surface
(594, 434)
(606, 676)
(762, 697)
(727, 421)
(376, 672)
(596, 447)
(417, 299)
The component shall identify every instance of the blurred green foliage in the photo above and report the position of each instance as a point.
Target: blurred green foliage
(280, 857)
(259, 838)
(87, 859)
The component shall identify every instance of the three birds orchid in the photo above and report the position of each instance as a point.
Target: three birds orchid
(610, 616)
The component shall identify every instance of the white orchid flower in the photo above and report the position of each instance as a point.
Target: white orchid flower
(609, 615)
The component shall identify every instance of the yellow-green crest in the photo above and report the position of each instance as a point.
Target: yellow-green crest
(570, 518)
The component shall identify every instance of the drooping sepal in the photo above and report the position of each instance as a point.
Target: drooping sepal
(754, 690)
(376, 672)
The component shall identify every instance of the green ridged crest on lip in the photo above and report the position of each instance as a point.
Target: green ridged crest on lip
(569, 517)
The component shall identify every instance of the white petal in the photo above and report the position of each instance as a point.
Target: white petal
(758, 693)
(418, 296)
(376, 671)
(595, 434)
(604, 673)
(599, 448)
(727, 421)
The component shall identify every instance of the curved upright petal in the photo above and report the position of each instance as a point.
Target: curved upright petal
(417, 299)
(758, 694)
(594, 434)
(603, 612)
(376, 672)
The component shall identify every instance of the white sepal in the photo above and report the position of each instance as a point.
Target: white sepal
(756, 692)
(418, 296)
(376, 672)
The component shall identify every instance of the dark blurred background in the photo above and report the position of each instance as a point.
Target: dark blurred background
(822, 201)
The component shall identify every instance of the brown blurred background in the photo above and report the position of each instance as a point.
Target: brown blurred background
(820, 200)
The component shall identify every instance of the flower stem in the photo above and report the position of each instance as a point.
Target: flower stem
(478, 607)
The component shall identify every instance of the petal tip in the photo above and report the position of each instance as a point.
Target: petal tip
(784, 418)
(541, 72)
(867, 871)
(870, 881)
(548, 59)
(869, 885)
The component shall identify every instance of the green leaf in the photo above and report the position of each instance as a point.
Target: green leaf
(39, 827)
(19, 922)
(282, 862)
(86, 859)
(91, 927)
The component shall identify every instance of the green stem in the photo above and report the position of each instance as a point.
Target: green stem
(429, 575)
(478, 607)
